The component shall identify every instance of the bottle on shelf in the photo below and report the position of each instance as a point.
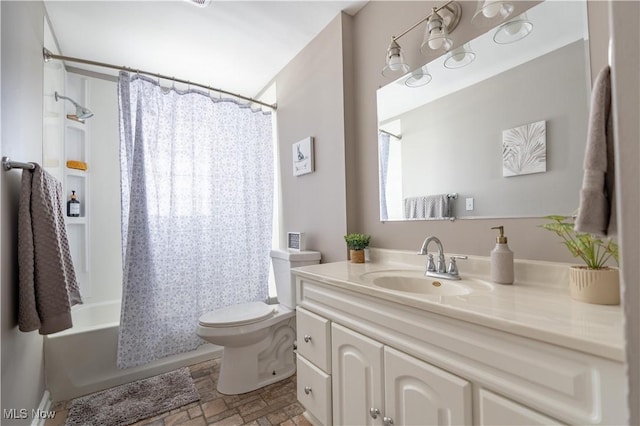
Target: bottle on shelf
(73, 206)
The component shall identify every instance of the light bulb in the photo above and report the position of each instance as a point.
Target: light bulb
(395, 64)
(491, 8)
(514, 27)
(436, 40)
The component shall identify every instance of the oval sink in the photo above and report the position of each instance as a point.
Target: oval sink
(414, 281)
(425, 285)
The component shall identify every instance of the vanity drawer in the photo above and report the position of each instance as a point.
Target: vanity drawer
(314, 338)
(314, 390)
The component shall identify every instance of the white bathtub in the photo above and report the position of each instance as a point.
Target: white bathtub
(82, 360)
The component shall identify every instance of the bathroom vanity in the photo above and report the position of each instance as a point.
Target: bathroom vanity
(376, 348)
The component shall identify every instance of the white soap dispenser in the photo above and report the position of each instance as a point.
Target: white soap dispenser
(501, 260)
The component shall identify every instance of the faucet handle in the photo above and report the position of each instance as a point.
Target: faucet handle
(453, 267)
(431, 266)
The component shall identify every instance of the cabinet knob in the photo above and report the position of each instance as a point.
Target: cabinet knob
(374, 413)
(307, 390)
(387, 421)
(307, 338)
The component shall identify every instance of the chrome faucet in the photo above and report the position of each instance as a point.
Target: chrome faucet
(437, 269)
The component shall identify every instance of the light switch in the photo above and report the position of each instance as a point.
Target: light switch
(469, 203)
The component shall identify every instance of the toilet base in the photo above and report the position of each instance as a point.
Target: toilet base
(247, 368)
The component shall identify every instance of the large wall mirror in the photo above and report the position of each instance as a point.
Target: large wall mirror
(502, 137)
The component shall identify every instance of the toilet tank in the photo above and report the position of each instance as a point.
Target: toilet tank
(283, 261)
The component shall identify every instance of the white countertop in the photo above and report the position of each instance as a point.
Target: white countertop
(536, 306)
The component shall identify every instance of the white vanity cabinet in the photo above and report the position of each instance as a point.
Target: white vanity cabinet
(495, 410)
(313, 335)
(377, 385)
(367, 360)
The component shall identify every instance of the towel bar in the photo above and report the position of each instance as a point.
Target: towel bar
(7, 164)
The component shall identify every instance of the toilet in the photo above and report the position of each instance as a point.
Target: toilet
(258, 338)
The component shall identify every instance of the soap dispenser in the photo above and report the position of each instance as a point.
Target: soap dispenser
(501, 260)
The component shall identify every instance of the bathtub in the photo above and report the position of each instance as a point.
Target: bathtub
(82, 359)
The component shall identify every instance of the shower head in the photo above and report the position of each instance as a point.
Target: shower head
(82, 113)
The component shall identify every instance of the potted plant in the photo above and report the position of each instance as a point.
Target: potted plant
(593, 282)
(357, 243)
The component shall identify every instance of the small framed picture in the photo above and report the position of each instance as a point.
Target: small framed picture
(303, 157)
(524, 149)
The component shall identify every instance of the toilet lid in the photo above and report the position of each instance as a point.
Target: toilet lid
(240, 314)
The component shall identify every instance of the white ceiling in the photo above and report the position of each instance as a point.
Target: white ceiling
(237, 46)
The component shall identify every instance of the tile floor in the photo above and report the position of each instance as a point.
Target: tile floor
(275, 404)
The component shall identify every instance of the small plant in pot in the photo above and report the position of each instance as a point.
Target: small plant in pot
(593, 282)
(357, 243)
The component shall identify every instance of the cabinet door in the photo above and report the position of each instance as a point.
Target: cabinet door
(357, 378)
(420, 394)
(496, 410)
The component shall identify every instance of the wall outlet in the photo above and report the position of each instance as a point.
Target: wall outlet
(469, 203)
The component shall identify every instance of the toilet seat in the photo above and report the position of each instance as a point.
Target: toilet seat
(235, 315)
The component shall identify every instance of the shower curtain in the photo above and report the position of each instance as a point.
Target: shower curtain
(197, 189)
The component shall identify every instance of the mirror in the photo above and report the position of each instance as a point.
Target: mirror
(502, 137)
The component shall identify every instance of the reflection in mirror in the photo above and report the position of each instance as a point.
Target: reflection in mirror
(506, 132)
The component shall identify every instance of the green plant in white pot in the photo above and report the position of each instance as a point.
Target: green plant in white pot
(593, 282)
(356, 244)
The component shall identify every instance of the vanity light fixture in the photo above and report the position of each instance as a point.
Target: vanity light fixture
(513, 30)
(436, 35)
(440, 23)
(459, 57)
(419, 77)
(395, 64)
(490, 13)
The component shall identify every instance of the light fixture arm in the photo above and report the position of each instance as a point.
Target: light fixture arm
(454, 9)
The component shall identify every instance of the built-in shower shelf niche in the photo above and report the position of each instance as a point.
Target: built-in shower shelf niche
(80, 185)
(76, 148)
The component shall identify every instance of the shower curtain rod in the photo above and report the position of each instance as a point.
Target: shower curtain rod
(48, 55)
(399, 137)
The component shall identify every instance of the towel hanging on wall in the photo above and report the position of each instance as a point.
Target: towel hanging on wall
(596, 214)
(427, 207)
(47, 280)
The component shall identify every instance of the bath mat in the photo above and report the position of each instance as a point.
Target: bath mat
(131, 402)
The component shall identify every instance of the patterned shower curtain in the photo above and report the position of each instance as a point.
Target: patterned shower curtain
(197, 191)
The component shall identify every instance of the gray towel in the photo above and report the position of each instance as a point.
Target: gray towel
(47, 287)
(424, 207)
(596, 214)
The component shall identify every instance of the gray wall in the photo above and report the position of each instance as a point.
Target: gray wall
(311, 102)
(372, 29)
(21, 93)
(329, 91)
(455, 143)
